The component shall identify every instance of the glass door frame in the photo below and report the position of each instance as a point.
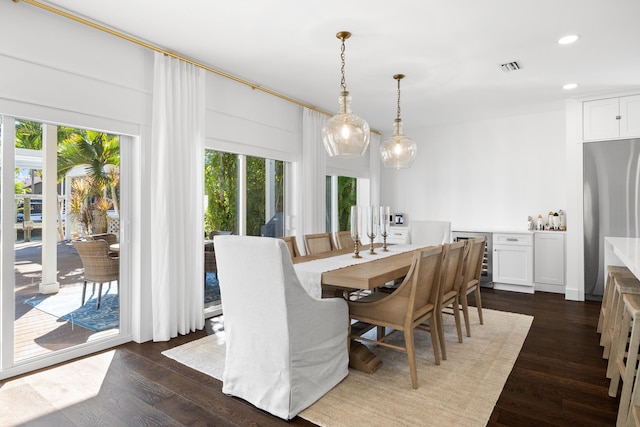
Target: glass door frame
(8, 366)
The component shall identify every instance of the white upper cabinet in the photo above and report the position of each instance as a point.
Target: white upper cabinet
(630, 116)
(611, 118)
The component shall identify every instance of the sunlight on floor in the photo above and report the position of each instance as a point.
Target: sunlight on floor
(40, 394)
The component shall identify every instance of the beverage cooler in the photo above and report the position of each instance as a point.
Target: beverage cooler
(486, 280)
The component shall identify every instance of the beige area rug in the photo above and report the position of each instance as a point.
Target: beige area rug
(462, 391)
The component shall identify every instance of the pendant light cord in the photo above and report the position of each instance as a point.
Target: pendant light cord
(343, 81)
(398, 117)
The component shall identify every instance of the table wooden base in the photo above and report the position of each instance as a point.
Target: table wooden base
(362, 359)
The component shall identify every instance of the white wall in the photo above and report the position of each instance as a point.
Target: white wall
(59, 71)
(487, 175)
(68, 73)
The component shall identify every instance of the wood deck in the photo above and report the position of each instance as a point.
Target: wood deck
(38, 333)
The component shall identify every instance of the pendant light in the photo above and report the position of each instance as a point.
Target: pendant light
(345, 134)
(399, 151)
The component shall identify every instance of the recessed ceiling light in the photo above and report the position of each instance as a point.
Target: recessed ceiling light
(570, 86)
(571, 38)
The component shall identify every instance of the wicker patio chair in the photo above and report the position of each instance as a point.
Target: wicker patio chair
(210, 265)
(110, 238)
(99, 266)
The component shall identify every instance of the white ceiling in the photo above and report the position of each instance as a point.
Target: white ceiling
(450, 51)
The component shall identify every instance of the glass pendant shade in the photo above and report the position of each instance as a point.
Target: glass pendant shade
(345, 134)
(398, 151)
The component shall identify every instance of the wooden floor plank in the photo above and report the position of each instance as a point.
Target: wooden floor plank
(557, 380)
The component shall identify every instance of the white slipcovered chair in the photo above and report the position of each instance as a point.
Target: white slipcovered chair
(285, 349)
(430, 233)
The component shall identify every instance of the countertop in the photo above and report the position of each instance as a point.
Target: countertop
(628, 250)
(499, 231)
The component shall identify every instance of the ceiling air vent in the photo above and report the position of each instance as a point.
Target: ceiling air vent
(510, 66)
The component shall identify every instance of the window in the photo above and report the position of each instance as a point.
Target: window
(342, 193)
(265, 197)
(237, 184)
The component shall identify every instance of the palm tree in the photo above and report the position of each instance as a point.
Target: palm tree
(97, 150)
(92, 148)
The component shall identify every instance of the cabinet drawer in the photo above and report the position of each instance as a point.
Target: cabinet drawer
(399, 235)
(513, 239)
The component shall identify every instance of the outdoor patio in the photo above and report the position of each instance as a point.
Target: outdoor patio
(37, 332)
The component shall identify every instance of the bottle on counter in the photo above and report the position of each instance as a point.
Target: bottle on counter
(540, 225)
(563, 224)
(530, 225)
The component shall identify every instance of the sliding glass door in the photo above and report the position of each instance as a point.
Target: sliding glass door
(64, 187)
(244, 195)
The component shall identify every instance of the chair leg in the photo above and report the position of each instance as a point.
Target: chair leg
(465, 312)
(456, 315)
(411, 355)
(433, 328)
(99, 296)
(443, 345)
(84, 291)
(479, 303)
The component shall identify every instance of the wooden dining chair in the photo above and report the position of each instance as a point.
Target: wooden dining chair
(412, 304)
(344, 240)
(292, 245)
(452, 263)
(471, 275)
(318, 243)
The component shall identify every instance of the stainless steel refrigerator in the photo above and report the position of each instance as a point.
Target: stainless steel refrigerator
(611, 203)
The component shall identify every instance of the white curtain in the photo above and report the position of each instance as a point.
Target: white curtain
(314, 158)
(176, 189)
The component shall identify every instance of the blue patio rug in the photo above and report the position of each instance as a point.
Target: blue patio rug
(68, 307)
(211, 288)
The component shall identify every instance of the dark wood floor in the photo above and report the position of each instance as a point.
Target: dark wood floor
(558, 379)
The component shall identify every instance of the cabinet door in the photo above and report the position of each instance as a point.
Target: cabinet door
(600, 119)
(549, 258)
(630, 116)
(513, 264)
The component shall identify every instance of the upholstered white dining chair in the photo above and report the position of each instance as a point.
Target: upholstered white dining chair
(284, 349)
(430, 233)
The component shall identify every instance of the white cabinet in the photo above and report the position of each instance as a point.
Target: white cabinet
(398, 235)
(611, 118)
(549, 261)
(513, 262)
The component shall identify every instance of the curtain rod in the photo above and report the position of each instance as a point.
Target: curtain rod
(174, 55)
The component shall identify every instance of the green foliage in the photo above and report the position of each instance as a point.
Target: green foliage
(28, 135)
(346, 198)
(86, 147)
(257, 192)
(221, 187)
